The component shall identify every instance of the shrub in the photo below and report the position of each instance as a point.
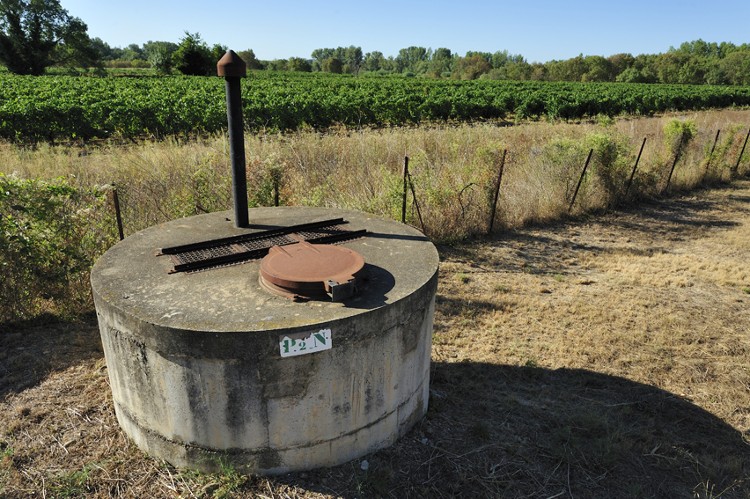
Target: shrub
(264, 179)
(609, 164)
(193, 57)
(50, 234)
(678, 133)
(561, 162)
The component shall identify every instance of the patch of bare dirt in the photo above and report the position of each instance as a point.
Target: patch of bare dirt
(602, 357)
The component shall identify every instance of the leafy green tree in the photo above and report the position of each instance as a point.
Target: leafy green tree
(249, 57)
(633, 75)
(193, 57)
(133, 52)
(442, 53)
(620, 62)
(538, 72)
(598, 69)
(503, 57)
(505, 66)
(159, 54)
(117, 53)
(736, 67)
(275, 65)
(441, 63)
(693, 63)
(373, 61)
(567, 70)
(641, 71)
(484, 55)
(103, 51)
(520, 71)
(320, 55)
(499, 59)
(700, 48)
(408, 59)
(82, 55)
(694, 70)
(333, 65)
(217, 52)
(298, 64)
(470, 67)
(353, 59)
(35, 34)
(715, 74)
(667, 66)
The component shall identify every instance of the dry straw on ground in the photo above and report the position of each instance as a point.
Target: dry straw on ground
(454, 169)
(600, 357)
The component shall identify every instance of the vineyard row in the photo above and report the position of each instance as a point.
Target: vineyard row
(54, 108)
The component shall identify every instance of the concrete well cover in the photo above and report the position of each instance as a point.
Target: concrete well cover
(196, 360)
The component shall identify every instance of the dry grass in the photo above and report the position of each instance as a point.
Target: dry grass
(602, 358)
(454, 170)
(598, 357)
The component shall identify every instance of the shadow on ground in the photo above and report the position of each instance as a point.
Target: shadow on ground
(648, 229)
(491, 431)
(31, 351)
(502, 431)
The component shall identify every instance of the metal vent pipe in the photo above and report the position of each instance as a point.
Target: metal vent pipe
(233, 68)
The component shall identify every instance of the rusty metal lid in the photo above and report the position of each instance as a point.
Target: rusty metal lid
(304, 271)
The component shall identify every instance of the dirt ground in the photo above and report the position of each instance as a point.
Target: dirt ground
(605, 356)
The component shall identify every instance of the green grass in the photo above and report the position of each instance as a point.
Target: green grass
(70, 484)
(463, 278)
(5, 450)
(219, 485)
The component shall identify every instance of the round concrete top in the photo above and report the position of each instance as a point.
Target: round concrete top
(130, 277)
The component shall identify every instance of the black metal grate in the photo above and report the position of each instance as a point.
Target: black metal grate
(238, 249)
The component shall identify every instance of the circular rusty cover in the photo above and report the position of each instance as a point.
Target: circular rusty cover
(304, 270)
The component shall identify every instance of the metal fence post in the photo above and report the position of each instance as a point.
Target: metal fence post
(406, 187)
(635, 167)
(118, 213)
(580, 180)
(739, 158)
(497, 192)
(711, 154)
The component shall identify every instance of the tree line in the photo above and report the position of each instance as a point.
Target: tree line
(696, 62)
(37, 34)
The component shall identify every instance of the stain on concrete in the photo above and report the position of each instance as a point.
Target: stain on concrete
(202, 374)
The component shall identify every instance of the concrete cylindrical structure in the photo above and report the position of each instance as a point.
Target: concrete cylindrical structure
(197, 361)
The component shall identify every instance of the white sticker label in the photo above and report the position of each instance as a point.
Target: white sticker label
(304, 343)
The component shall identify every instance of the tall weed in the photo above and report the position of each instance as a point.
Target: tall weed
(677, 136)
(50, 234)
(454, 171)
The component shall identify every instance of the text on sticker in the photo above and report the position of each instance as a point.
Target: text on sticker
(304, 343)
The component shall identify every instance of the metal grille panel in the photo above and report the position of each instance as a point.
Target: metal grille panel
(234, 250)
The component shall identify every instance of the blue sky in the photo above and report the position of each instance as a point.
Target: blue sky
(540, 30)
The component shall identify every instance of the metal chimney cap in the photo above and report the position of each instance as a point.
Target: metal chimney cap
(231, 65)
